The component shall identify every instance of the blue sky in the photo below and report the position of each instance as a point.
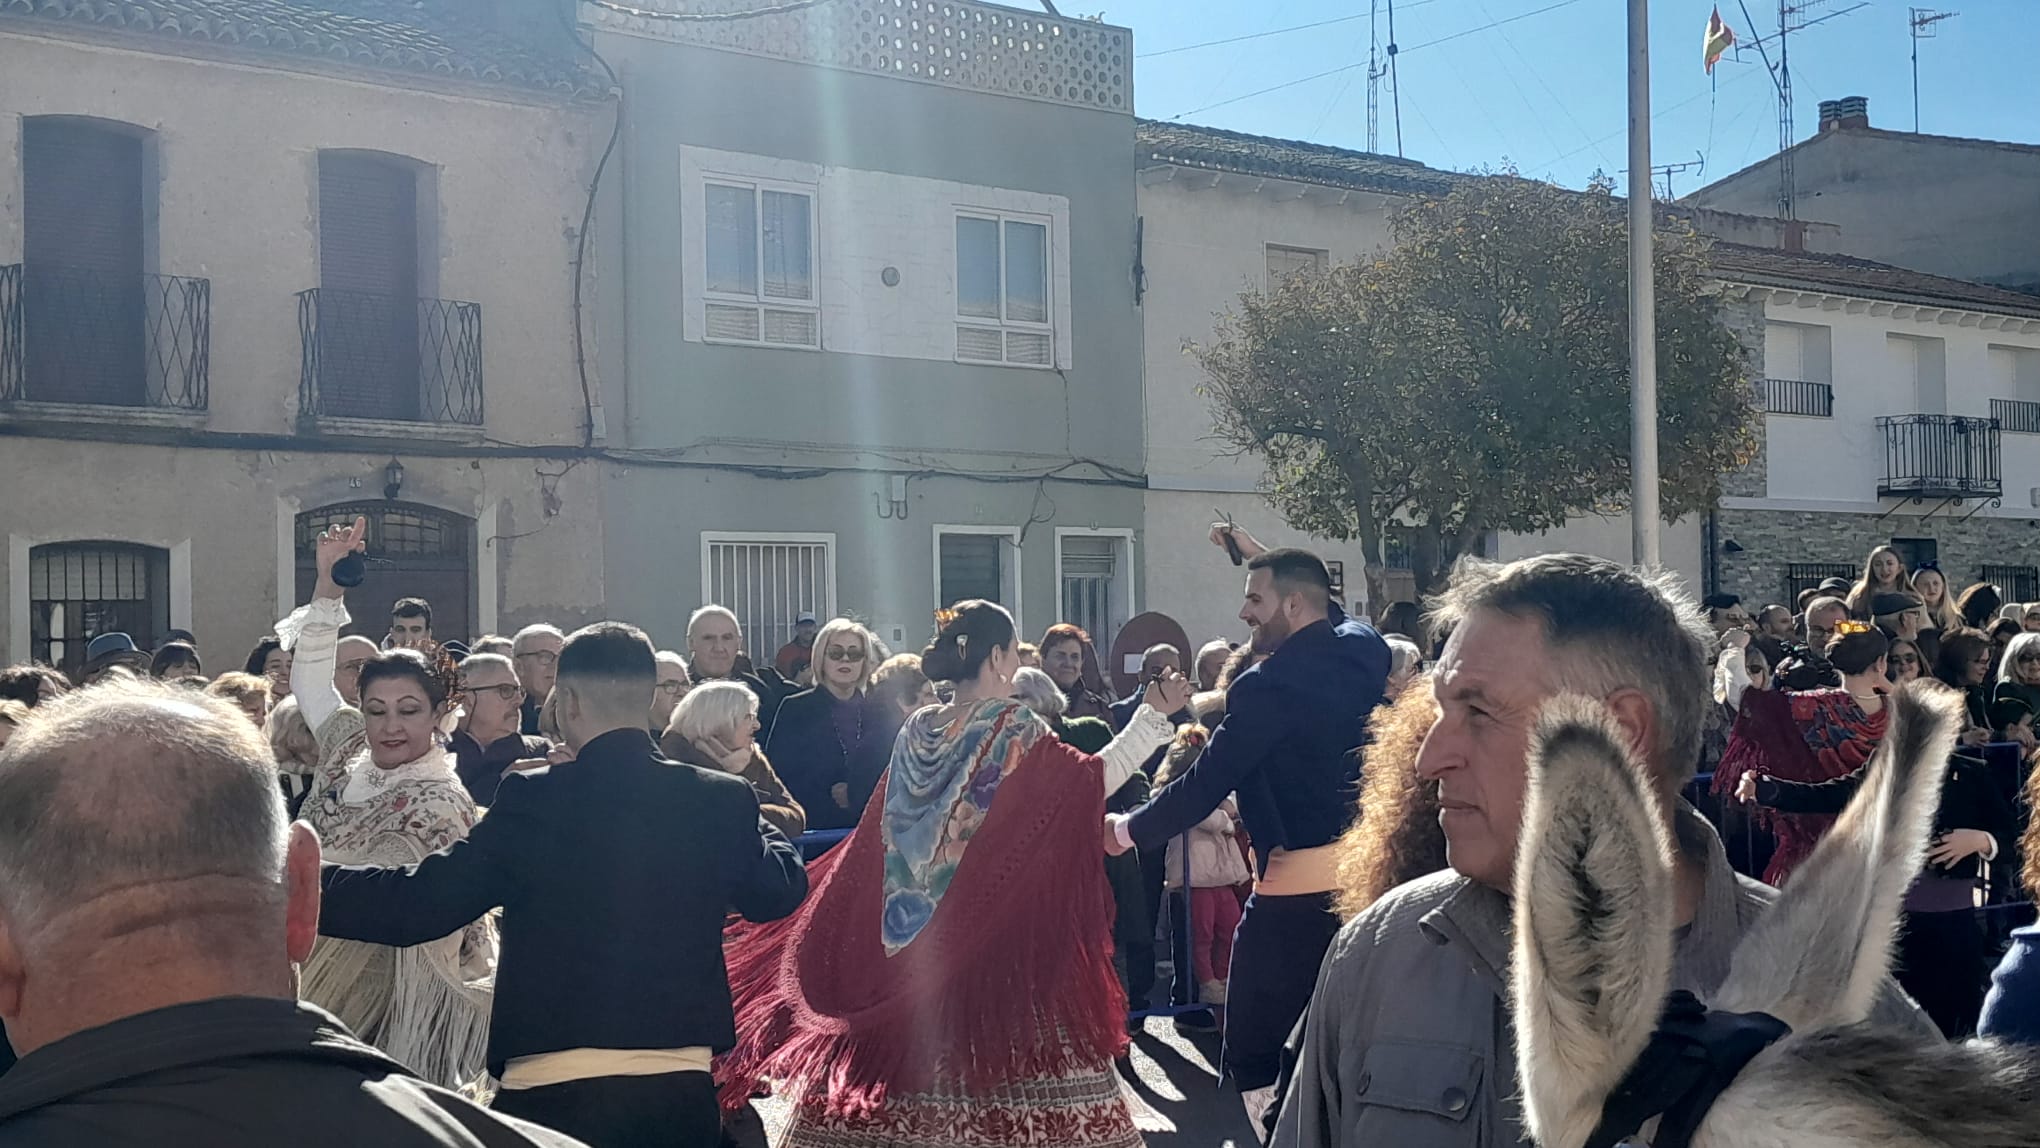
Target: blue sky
(1546, 92)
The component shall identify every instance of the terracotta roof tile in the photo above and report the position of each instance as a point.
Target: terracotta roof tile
(399, 35)
(1216, 149)
(1847, 275)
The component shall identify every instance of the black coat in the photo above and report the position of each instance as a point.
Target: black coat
(812, 759)
(238, 1072)
(481, 767)
(1970, 799)
(615, 873)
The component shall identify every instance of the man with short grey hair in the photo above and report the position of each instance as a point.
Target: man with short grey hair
(153, 902)
(714, 642)
(535, 651)
(672, 685)
(1408, 1041)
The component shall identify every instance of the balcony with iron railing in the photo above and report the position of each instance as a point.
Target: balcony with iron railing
(379, 359)
(79, 338)
(1796, 397)
(1940, 456)
(2016, 416)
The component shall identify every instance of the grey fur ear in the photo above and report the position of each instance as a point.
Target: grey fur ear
(1816, 958)
(1593, 919)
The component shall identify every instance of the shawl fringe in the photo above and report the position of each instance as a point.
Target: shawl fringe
(1011, 978)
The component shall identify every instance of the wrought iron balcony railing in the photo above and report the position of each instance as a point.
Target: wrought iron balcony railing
(2016, 416)
(1940, 456)
(1794, 397)
(69, 335)
(372, 356)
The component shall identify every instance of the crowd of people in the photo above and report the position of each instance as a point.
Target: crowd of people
(562, 888)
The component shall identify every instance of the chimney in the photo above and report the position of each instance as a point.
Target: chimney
(1844, 114)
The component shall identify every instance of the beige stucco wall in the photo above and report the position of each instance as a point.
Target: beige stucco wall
(237, 149)
(227, 520)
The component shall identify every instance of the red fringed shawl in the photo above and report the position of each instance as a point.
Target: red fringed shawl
(1011, 978)
(1817, 735)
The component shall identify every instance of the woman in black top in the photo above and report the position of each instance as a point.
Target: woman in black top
(819, 731)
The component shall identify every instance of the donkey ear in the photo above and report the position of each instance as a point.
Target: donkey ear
(1815, 959)
(1593, 919)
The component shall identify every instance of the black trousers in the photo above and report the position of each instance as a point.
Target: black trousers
(1944, 965)
(1275, 957)
(673, 1110)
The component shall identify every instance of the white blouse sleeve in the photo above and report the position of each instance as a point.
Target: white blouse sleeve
(1731, 677)
(311, 633)
(1147, 732)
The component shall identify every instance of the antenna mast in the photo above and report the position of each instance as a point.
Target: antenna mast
(1374, 78)
(1922, 21)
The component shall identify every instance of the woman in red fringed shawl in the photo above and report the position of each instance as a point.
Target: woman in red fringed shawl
(1813, 735)
(949, 980)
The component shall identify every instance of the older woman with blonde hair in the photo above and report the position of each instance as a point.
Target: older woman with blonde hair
(296, 750)
(820, 731)
(716, 727)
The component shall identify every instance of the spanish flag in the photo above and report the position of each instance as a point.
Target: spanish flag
(1720, 38)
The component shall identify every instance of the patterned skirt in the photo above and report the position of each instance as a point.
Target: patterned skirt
(1080, 1109)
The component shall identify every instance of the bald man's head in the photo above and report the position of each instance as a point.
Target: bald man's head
(144, 820)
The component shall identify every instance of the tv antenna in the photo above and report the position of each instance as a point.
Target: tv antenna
(1793, 16)
(1668, 170)
(1381, 63)
(1922, 21)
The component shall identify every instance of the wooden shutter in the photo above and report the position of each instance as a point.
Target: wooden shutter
(368, 287)
(82, 256)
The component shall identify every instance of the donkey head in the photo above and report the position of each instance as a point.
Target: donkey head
(1594, 905)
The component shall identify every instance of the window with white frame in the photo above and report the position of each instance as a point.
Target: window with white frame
(768, 581)
(80, 590)
(1284, 262)
(977, 562)
(1095, 576)
(760, 282)
(1002, 290)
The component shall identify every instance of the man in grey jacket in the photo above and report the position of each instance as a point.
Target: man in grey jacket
(1408, 1041)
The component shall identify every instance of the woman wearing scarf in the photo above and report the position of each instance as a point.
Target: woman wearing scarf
(1812, 735)
(949, 980)
(385, 793)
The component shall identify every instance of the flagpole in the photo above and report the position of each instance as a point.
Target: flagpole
(1643, 442)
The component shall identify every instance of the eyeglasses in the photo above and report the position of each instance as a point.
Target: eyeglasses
(844, 653)
(672, 687)
(543, 657)
(2028, 656)
(508, 691)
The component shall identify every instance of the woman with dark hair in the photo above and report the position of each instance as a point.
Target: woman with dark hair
(175, 660)
(913, 989)
(1812, 735)
(270, 659)
(386, 794)
(1979, 605)
(1070, 658)
(1965, 663)
(1883, 573)
(1907, 664)
(32, 684)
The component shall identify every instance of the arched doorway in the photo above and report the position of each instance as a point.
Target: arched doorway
(413, 552)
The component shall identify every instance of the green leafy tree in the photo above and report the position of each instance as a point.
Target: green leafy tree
(1476, 377)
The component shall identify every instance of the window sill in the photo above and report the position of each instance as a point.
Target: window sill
(331, 426)
(712, 341)
(963, 362)
(29, 411)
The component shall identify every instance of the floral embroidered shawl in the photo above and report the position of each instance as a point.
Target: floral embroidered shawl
(945, 771)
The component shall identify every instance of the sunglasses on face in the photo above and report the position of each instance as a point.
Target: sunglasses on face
(844, 653)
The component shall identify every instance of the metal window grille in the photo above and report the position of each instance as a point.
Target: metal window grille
(1797, 397)
(768, 583)
(1090, 568)
(973, 566)
(2018, 583)
(375, 356)
(79, 590)
(1801, 576)
(2016, 415)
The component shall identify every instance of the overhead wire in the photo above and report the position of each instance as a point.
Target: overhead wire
(1362, 63)
(1269, 32)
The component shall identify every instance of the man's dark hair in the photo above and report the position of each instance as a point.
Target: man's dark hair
(413, 608)
(617, 651)
(184, 636)
(1714, 602)
(1296, 571)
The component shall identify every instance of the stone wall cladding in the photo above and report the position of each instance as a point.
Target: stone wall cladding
(1772, 539)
